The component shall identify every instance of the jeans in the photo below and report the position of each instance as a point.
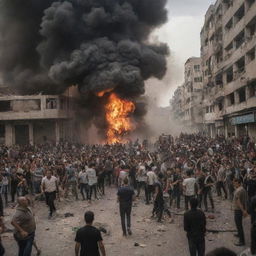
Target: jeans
(125, 213)
(220, 185)
(101, 186)
(37, 187)
(25, 246)
(93, 188)
(208, 193)
(73, 186)
(84, 190)
(49, 198)
(196, 246)
(239, 225)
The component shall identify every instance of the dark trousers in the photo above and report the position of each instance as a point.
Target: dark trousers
(25, 246)
(13, 192)
(253, 238)
(2, 250)
(84, 190)
(187, 200)
(208, 193)
(196, 246)
(101, 186)
(49, 198)
(176, 196)
(220, 185)
(151, 189)
(239, 225)
(93, 188)
(1, 206)
(109, 174)
(125, 214)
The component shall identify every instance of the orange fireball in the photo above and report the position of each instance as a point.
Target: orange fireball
(117, 116)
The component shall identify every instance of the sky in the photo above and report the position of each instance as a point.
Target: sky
(182, 34)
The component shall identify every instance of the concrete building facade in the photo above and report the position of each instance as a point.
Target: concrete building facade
(36, 119)
(187, 99)
(228, 48)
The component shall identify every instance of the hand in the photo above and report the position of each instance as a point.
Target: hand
(24, 233)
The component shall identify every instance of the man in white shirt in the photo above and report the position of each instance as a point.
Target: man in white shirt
(92, 180)
(49, 187)
(189, 188)
(83, 183)
(151, 180)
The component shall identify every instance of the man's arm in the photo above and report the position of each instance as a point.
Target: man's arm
(102, 248)
(77, 248)
(19, 228)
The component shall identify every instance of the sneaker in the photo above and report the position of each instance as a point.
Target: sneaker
(129, 232)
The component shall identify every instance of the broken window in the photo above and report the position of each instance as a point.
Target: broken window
(251, 29)
(240, 65)
(220, 105)
(219, 79)
(51, 103)
(242, 96)
(229, 74)
(5, 105)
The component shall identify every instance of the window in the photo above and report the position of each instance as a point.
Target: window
(198, 79)
(231, 99)
(51, 103)
(239, 14)
(229, 25)
(229, 74)
(196, 68)
(239, 40)
(251, 55)
(5, 106)
(252, 89)
(219, 79)
(240, 65)
(242, 96)
(250, 3)
(220, 105)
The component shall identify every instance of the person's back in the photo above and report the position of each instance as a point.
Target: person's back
(88, 237)
(125, 195)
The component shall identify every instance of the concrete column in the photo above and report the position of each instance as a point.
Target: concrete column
(226, 129)
(9, 134)
(31, 134)
(247, 92)
(57, 132)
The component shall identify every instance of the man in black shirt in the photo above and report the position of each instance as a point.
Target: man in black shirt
(125, 197)
(89, 239)
(195, 226)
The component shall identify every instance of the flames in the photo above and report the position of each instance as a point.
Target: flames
(118, 119)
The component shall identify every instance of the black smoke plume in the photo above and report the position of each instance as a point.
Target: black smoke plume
(47, 45)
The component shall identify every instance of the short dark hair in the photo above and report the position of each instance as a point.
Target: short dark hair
(222, 251)
(239, 181)
(193, 203)
(126, 181)
(189, 172)
(89, 217)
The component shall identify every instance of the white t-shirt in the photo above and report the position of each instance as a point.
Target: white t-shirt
(92, 178)
(152, 179)
(83, 177)
(189, 184)
(49, 184)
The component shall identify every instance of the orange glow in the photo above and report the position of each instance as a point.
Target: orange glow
(102, 93)
(117, 116)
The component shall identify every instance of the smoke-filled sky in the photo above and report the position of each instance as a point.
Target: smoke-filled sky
(182, 34)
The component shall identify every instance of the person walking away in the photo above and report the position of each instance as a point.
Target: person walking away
(83, 184)
(92, 181)
(49, 187)
(88, 239)
(38, 176)
(239, 202)
(177, 188)
(189, 185)
(221, 177)
(195, 226)
(151, 180)
(208, 184)
(125, 196)
(70, 181)
(101, 179)
(25, 226)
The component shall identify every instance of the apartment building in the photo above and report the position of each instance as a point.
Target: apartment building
(37, 119)
(187, 100)
(228, 47)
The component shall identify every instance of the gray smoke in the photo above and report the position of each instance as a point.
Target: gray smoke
(47, 45)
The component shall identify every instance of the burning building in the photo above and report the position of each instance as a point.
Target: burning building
(100, 46)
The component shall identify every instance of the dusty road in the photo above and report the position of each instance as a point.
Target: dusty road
(56, 237)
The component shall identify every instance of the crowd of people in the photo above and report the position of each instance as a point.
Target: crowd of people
(162, 173)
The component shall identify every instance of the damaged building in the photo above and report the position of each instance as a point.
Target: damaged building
(228, 47)
(37, 119)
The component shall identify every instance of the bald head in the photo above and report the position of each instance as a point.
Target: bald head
(22, 201)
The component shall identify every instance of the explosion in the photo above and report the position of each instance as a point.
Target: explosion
(117, 117)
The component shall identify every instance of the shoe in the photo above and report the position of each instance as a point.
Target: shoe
(129, 232)
(239, 244)
(124, 234)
